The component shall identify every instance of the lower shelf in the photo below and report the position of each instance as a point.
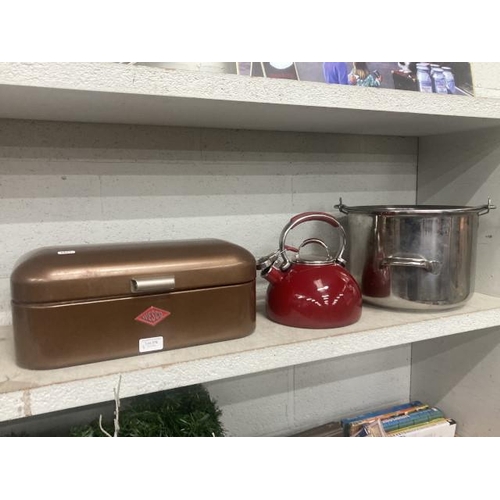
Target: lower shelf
(25, 393)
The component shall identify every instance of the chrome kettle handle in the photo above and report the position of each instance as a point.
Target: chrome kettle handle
(307, 217)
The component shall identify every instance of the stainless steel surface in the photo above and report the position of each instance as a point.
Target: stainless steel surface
(414, 210)
(414, 259)
(161, 284)
(264, 264)
(484, 210)
(433, 266)
(306, 217)
(313, 241)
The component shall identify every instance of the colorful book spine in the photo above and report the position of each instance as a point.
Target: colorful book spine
(383, 411)
(437, 428)
(420, 425)
(354, 424)
(417, 417)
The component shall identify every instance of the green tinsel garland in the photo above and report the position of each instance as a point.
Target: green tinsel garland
(184, 412)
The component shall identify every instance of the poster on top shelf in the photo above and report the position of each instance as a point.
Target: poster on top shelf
(453, 78)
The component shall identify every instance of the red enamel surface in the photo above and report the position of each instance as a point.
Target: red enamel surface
(309, 296)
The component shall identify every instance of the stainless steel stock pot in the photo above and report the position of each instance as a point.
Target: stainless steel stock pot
(413, 257)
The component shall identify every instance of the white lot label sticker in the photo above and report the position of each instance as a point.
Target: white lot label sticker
(151, 344)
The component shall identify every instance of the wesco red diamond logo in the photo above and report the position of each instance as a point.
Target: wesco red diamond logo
(152, 316)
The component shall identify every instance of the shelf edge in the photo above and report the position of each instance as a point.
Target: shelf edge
(64, 395)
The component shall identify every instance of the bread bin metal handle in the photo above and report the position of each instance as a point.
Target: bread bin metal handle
(160, 284)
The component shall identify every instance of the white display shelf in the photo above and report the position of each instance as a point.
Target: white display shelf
(127, 94)
(24, 392)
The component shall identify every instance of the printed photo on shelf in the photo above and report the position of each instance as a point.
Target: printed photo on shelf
(286, 70)
(453, 78)
(256, 69)
(433, 77)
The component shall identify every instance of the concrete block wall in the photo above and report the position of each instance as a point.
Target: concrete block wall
(284, 402)
(66, 184)
(486, 79)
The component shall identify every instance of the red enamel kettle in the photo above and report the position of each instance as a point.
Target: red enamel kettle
(310, 293)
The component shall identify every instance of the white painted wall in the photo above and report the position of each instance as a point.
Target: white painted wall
(288, 401)
(76, 183)
(486, 79)
(462, 374)
(62, 184)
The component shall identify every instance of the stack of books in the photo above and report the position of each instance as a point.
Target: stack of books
(413, 419)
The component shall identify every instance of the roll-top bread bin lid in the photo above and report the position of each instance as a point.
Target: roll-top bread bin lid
(63, 274)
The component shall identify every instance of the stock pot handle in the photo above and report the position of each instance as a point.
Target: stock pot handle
(484, 209)
(432, 266)
(341, 207)
(306, 217)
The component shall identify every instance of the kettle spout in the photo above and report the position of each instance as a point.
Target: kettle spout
(273, 275)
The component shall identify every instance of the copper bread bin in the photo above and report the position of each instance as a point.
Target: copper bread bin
(74, 305)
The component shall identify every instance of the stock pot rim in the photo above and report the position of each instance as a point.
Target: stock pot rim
(416, 210)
